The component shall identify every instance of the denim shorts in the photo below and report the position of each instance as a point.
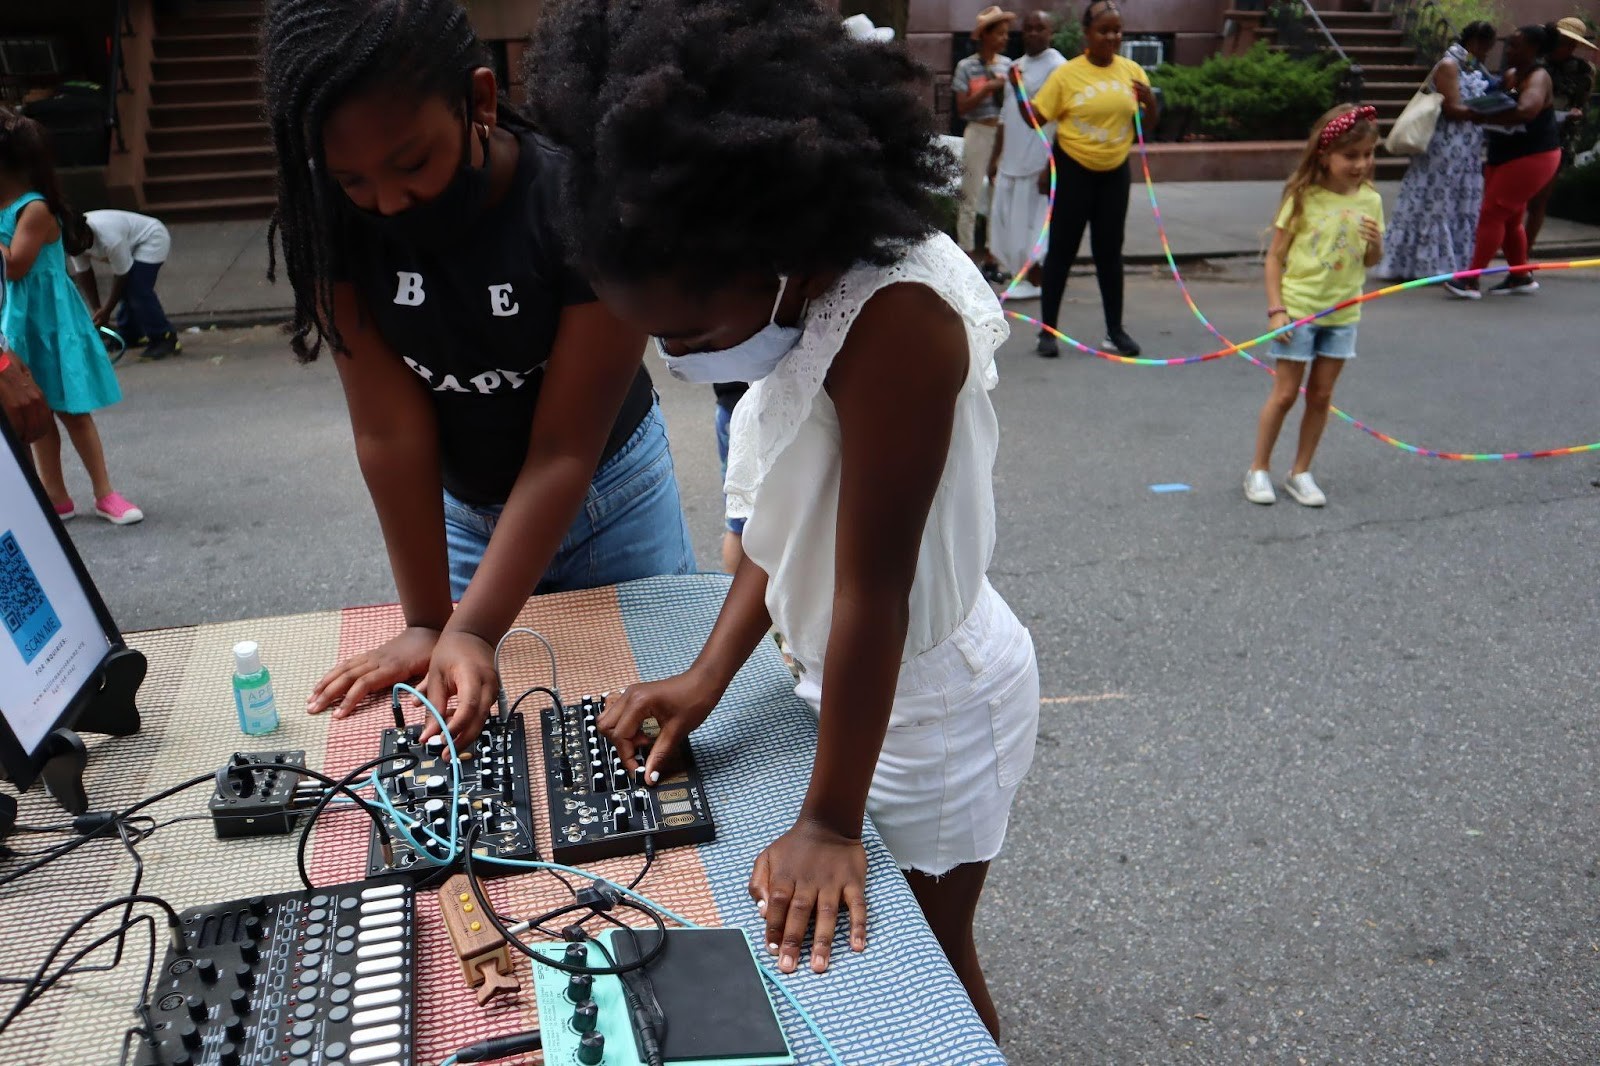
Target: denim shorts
(1323, 342)
(724, 421)
(631, 524)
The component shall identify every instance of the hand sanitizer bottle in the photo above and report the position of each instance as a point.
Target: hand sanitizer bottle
(252, 690)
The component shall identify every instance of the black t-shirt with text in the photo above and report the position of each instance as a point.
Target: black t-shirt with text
(476, 321)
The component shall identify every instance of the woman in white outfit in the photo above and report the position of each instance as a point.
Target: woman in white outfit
(789, 239)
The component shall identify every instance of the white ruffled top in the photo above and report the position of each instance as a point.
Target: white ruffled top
(784, 458)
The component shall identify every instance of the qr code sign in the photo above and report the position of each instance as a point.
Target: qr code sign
(25, 609)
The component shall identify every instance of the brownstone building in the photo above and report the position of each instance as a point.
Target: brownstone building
(155, 104)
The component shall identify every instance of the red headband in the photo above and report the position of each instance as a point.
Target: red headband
(1342, 124)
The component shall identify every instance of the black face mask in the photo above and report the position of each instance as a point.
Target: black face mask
(447, 218)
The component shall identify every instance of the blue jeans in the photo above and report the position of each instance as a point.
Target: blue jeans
(140, 315)
(724, 422)
(631, 524)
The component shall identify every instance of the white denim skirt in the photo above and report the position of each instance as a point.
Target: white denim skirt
(961, 738)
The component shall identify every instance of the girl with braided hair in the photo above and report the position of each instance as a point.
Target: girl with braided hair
(504, 424)
(756, 190)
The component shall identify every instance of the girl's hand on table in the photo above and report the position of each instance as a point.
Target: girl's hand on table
(401, 658)
(809, 870)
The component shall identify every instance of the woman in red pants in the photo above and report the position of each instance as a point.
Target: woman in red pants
(1524, 152)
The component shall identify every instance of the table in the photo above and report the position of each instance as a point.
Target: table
(899, 1002)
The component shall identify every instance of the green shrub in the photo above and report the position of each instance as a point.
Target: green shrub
(1261, 95)
(1068, 38)
(1577, 195)
(1461, 12)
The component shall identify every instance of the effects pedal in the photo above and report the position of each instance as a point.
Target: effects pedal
(311, 978)
(706, 982)
(597, 809)
(252, 801)
(494, 796)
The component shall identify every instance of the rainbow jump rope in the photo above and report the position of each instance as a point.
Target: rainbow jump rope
(1241, 349)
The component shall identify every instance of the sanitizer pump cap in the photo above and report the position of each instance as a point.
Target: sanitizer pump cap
(247, 658)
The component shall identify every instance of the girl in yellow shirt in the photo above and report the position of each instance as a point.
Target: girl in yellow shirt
(1328, 232)
(1092, 99)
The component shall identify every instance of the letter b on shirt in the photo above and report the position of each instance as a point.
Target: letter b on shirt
(409, 292)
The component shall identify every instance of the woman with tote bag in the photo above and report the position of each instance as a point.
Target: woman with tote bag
(1436, 212)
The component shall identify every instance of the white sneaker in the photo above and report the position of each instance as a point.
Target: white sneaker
(1258, 487)
(1463, 292)
(1025, 290)
(1303, 488)
(1512, 287)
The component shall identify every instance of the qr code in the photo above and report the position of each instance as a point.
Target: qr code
(24, 608)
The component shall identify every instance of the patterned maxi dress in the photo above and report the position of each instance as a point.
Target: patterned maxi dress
(1436, 213)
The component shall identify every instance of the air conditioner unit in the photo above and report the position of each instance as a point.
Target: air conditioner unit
(1148, 54)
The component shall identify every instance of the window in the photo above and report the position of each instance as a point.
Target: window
(1148, 52)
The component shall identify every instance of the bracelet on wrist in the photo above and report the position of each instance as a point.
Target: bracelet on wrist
(5, 360)
(1277, 311)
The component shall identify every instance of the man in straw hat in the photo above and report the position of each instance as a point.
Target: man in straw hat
(979, 87)
(1571, 82)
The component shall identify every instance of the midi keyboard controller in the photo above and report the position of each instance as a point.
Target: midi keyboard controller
(312, 978)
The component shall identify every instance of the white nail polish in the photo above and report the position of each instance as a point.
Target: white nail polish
(655, 775)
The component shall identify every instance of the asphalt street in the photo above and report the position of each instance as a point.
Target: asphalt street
(1311, 786)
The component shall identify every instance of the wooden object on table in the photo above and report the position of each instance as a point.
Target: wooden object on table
(485, 957)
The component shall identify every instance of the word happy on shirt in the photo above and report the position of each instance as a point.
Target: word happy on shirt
(410, 292)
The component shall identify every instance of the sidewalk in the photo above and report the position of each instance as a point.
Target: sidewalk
(217, 273)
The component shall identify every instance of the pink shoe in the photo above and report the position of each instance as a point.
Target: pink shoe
(116, 509)
(66, 510)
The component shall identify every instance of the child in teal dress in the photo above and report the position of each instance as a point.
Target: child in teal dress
(46, 322)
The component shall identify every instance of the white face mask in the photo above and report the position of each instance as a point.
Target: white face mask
(750, 360)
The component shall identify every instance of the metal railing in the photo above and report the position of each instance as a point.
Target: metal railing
(1424, 26)
(118, 81)
(1302, 32)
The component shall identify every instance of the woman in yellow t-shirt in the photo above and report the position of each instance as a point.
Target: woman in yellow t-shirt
(1092, 99)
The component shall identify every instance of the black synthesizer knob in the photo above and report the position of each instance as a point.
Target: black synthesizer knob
(190, 1034)
(591, 1049)
(233, 1026)
(249, 950)
(228, 1055)
(577, 954)
(197, 1008)
(245, 974)
(580, 988)
(207, 969)
(585, 1017)
(239, 1002)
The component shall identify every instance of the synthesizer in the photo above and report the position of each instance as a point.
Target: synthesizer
(598, 810)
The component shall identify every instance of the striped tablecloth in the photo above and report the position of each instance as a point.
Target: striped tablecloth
(898, 1002)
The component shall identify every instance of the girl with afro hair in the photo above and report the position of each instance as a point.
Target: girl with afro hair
(757, 191)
